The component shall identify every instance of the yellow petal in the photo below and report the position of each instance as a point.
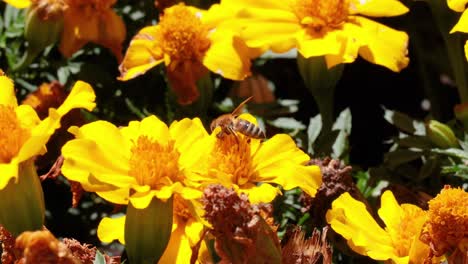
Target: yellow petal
(466, 50)
(462, 24)
(7, 92)
(193, 231)
(378, 8)
(141, 200)
(265, 4)
(227, 56)
(279, 37)
(331, 43)
(81, 96)
(9, 170)
(349, 218)
(150, 126)
(27, 116)
(141, 54)
(19, 3)
(383, 45)
(178, 250)
(110, 229)
(119, 195)
(457, 5)
(264, 193)
(390, 211)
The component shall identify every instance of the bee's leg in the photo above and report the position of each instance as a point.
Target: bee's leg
(231, 131)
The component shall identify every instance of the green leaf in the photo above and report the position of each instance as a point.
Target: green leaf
(344, 121)
(313, 131)
(99, 258)
(453, 152)
(287, 123)
(404, 122)
(419, 142)
(401, 156)
(340, 146)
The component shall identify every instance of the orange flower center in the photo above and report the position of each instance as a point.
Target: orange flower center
(319, 15)
(447, 224)
(232, 157)
(409, 228)
(182, 35)
(154, 164)
(12, 135)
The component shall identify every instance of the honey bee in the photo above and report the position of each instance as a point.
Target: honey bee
(231, 124)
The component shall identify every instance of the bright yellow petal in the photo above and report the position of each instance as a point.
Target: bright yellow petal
(265, 4)
(27, 116)
(466, 50)
(462, 24)
(81, 96)
(187, 132)
(331, 43)
(142, 54)
(117, 195)
(150, 126)
(178, 250)
(390, 211)
(383, 45)
(350, 218)
(141, 200)
(457, 5)
(193, 231)
(264, 193)
(9, 170)
(349, 46)
(279, 37)
(110, 229)
(378, 8)
(7, 92)
(19, 3)
(227, 56)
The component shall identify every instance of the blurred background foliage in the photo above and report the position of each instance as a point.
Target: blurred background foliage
(380, 117)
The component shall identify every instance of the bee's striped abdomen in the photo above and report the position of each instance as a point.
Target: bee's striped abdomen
(248, 129)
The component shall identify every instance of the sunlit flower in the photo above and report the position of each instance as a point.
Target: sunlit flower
(241, 163)
(462, 24)
(398, 242)
(338, 29)
(446, 228)
(186, 232)
(135, 163)
(83, 21)
(189, 43)
(22, 134)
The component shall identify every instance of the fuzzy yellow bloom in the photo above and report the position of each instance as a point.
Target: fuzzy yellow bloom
(187, 231)
(338, 29)
(22, 134)
(447, 223)
(462, 24)
(242, 163)
(189, 43)
(83, 21)
(135, 163)
(398, 242)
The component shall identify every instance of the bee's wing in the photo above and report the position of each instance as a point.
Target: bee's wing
(238, 109)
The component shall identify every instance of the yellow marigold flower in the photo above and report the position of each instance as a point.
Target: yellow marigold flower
(242, 163)
(462, 24)
(22, 134)
(135, 163)
(84, 21)
(447, 221)
(187, 231)
(398, 242)
(189, 42)
(338, 29)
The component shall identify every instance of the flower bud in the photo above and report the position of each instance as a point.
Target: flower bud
(441, 135)
(44, 24)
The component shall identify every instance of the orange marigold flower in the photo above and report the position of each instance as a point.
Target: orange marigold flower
(447, 226)
(189, 42)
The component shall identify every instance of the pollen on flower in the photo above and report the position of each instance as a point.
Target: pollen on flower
(232, 156)
(410, 226)
(447, 224)
(182, 35)
(154, 164)
(319, 15)
(12, 135)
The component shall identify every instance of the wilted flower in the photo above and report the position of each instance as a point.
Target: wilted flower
(338, 29)
(189, 42)
(398, 242)
(241, 162)
(314, 249)
(446, 228)
(83, 21)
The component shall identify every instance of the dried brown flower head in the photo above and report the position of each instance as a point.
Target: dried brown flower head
(8, 246)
